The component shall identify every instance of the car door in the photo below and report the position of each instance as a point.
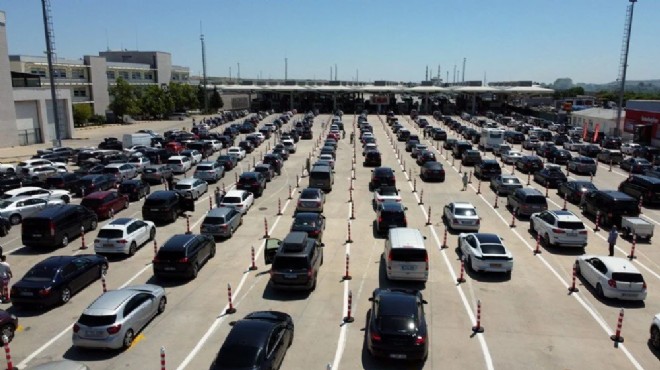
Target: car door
(449, 212)
(33, 206)
(277, 347)
(141, 231)
(145, 306)
(75, 272)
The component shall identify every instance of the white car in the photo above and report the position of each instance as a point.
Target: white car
(239, 199)
(612, 277)
(511, 156)
(16, 210)
(386, 194)
(134, 149)
(461, 216)
(655, 332)
(194, 155)
(573, 145)
(559, 228)
(290, 144)
(215, 144)
(260, 136)
(329, 158)
(368, 147)
(139, 162)
(179, 163)
(238, 151)
(192, 187)
(629, 148)
(36, 192)
(124, 235)
(7, 168)
(485, 252)
(29, 163)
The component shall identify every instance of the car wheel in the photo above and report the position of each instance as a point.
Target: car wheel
(471, 262)
(161, 305)
(132, 249)
(8, 331)
(531, 227)
(577, 269)
(65, 295)
(173, 216)
(128, 338)
(15, 219)
(655, 337)
(66, 199)
(194, 272)
(103, 270)
(65, 240)
(546, 241)
(93, 224)
(3, 230)
(212, 252)
(516, 212)
(152, 234)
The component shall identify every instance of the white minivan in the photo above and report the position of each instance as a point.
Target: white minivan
(405, 255)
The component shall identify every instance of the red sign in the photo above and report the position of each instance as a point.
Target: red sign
(639, 117)
(596, 132)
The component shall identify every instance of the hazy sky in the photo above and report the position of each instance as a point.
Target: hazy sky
(538, 40)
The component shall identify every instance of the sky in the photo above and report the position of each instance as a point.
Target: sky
(505, 40)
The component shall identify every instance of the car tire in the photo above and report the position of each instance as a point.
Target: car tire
(161, 305)
(173, 216)
(546, 241)
(15, 219)
(194, 272)
(66, 199)
(599, 291)
(471, 262)
(654, 340)
(65, 295)
(3, 230)
(212, 252)
(152, 234)
(93, 224)
(132, 249)
(65, 240)
(231, 232)
(8, 331)
(128, 339)
(532, 231)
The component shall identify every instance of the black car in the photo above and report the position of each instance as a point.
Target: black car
(515, 137)
(307, 133)
(575, 190)
(56, 226)
(449, 143)
(545, 149)
(228, 161)
(5, 226)
(111, 143)
(589, 150)
(266, 170)
(635, 165)
(487, 169)
(559, 156)
(259, 341)
(381, 176)
(529, 164)
(410, 144)
(425, 156)
(275, 161)
(438, 134)
(643, 188)
(460, 147)
(611, 143)
(296, 261)
(390, 215)
(12, 182)
(313, 223)
(550, 177)
(91, 183)
(183, 255)
(253, 182)
(611, 205)
(134, 189)
(56, 279)
(432, 171)
(397, 325)
(372, 158)
(647, 152)
(65, 181)
(166, 205)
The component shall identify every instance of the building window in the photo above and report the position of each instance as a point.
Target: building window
(111, 75)
(80, 92)
(59, 73)
(39, 72)
(78, 73)
(123, 74)
(148, 76)
(175, 77)
(185, 77)
(136, 76)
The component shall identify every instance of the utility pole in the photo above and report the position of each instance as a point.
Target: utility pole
(463, 78)
(623, 66)
(50, 50)
(427, 74)
(357, 75)
(330, 73)
(438, 72)
(229, 73)
(238, 72)
(204, 80)
(447, 80)
(336, 79)
(454, 73)
(286, 69)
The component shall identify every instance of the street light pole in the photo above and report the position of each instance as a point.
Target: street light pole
(49, 56)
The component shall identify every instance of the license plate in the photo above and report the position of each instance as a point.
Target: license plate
(572, 233)
(154, 210)
(108, 245)
(170, 268)
(495, 265)
(408, 268)
(397, 356)
(93, 333)
(290, 276)
(629, 294)
(37, 235)
(27, 294)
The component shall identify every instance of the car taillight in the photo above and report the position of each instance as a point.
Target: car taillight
(612, 283)
(380, 219)
(455, 221)
(420, 340)
(376, 337)
(114, 329)
(44, 292)
(183, 260)
(309, 273)
(426, 260)
(643, 284)
(122, 241)
(76, 328)
(52, 228)
(583, 232)
(558, 231)
(315, 232)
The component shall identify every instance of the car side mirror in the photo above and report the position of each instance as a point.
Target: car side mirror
(371, 299)
(424, 301)
(322, 244)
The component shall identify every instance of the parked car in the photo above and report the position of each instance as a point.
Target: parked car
(36, 192)
(194, 155)
(558, 228)
(612, 277)
(156, 173)
(432, 171)
(386, 194)
(266, 170)
(124, 236)
(228, 161)
(635, 165)
(121, 171)
(191, 187)
(526, 201)
(179, 163)
(296, 261)
(240, 199)
(511, 156)
(582, 165)
(390, 215)
(608, 156)
(312, 223)
(91, 183)
(589, 150)
(485, 252)
(166, 205)
(258, 341)
(134, 189)
(574, 191)
(64, 181)
(238, 151)
(551, 176)
(16, 210)
(183, 255)
(529, 164)
(461, 216)
(505, 184)
(311, 200)
(222, 222)
(644, 188)
(611, 205)
(253, 182)
(487, 169)
(381, 176)
(115, 319)
(56, 279)
(56, 226)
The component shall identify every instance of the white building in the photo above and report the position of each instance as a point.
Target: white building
(604, 118)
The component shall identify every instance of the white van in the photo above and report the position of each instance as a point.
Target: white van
(129, 140)
(405, 255)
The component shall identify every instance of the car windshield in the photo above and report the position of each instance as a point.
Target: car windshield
(510, 181)
(492, 249)
(204, 167)
(465, 212)
(305, 221)
(237, 357)
(41, 273)
(183, 187)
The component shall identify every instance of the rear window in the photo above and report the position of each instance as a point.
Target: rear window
(150, 170)
(94, 320)
(288, 262)
(168, 254)
(41, 273)
(402, 324)
(628, 277)
(231, 200)
(535, 199)
(155, 202)
(320, 175)
(492, 249)
(464, 212)
(110, 234)
(110, 170)
(409, 255)
(214, 220)
(570, 225)
(173, 161)
(205, 168)
(183, 187)
(91, 203)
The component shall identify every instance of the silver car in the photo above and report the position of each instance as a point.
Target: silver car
(222, 222)
(311, 200)
(192, 187)
(139, 162)
(115, 318)
(505, 184)
(156, 173)
(16, 210)
(121, 171)
(209, 171)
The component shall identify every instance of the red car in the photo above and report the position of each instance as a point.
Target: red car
(105, 203)
(333, 135)
(174, 147)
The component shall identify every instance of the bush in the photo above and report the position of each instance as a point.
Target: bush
(81, 114)
(98, 119)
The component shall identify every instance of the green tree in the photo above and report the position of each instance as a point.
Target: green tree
(183, 96)
(124, 99)
(155, 103)
(216, 100)
(81, 114)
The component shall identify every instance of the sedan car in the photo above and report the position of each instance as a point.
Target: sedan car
(124, 235)
(134, 189)
(115, 318)
(574, 191)
(558, 228)
(54, 280)
(228, 161)
(36, 192)
(505, 184)
(612, 277)
(461, 216)
(529, 164)
(396, 327)
(485, 252)
(511, 156)
(16, 210)
(191, 187)
(635, 165)
(311, 200)
(432, 171)
(550, 176)
(312, 223)
(258, 341)
(240, 199)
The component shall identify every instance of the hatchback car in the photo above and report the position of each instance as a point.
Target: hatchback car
(240, 199)
(16, 210)
(310, 222)
(635, 165)
(227, 161)
(134, 189)
(105, 203)
(191, 187)
(612, 277)
(253, 182)
(505, 184)
(432, 171)
(121, 171)
(115, 318)
(296, 261)
(485, 252)
(390, 215)
(258, 341)
(179, 163)
(558, 228)
(396, 327)
(311, 200)
(381, 176)
(461, 216)
(487, 169)
(238, 151)
(574, 191)
(183, 255)
(222, 222)
(266, 170)
(209, 171)
(551, 176)
(124, 235)
(156, 173)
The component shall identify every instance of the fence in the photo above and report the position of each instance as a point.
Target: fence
(29, 137)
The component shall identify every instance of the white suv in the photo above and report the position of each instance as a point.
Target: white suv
(559, 228)
(124, 235)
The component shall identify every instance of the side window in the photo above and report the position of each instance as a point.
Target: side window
(68, 270)
(131, 305)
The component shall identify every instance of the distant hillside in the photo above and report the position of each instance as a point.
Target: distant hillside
(631, 85)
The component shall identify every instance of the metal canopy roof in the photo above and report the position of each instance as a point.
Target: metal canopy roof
(392, 89)
(529, 90)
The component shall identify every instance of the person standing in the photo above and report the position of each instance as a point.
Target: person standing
(465, 180)
(5, 276)
(611, 239)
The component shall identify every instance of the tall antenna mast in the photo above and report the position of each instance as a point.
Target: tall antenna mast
(204, 81)
(463, 77)
(51, 55)
(623, 65)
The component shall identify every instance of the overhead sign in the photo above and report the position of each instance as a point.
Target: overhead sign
(379, 100)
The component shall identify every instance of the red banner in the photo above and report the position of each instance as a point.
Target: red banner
(584, 132)
(596, 129)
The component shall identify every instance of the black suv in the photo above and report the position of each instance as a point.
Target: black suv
(529, 164)
(182, 255)
(646, 187)
(487, 169)
(91, 183)
(372, 158)
(134, 189)
(381, 176)
(296, 261)
(390, 215)
(254, 182)
(56, 226)
(165, 205)
(611, 205)
(274, 161)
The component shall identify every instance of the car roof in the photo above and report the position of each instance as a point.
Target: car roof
(219, 211)
(565, 215)
(121, 221)
(395, 302)
(21, 190)
(162, 194)
(98, 194)
(178, 241)
(487, 238)
(235, 193)
(55, 261)
(187, 181)
(616, 264)
(250, 332)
